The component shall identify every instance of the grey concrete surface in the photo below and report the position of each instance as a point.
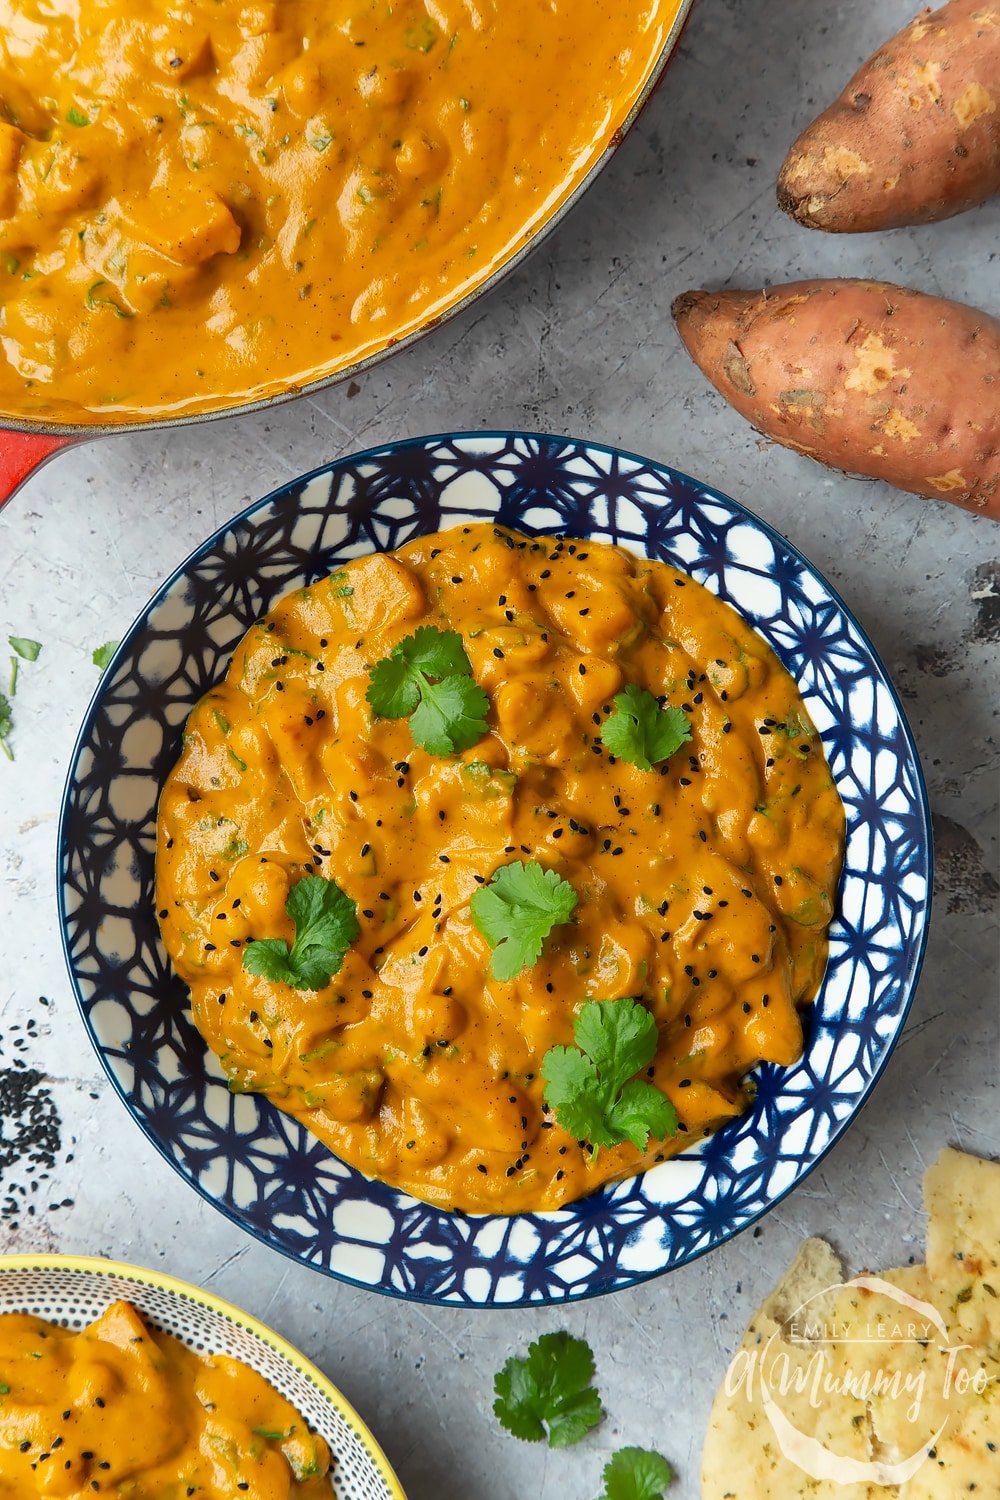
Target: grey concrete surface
(579, 341)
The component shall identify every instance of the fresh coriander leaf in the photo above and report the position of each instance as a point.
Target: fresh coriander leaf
(26, 649)
(641, 732)
(516, 912)
(6, 725)
(620, 1036)
(326, 925)
(451, 716)
(642, 1111)
(573, 1090)
(549, 1393)
(636, 1474)
(428, 677)
(592, 1087)
(393, 690)
(439, 653)
(103, 654)
(269, 957)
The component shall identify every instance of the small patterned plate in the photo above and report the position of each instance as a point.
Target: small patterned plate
(261, 1167)
(74, 1290)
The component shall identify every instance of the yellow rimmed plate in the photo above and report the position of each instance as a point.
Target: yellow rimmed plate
(73, 1290)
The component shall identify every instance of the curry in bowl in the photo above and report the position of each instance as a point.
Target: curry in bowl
(501, 862)
(208, 203)
(120, 1409)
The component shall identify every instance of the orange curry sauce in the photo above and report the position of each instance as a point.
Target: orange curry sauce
(119, 1410)
(704, 886)
(207, 202)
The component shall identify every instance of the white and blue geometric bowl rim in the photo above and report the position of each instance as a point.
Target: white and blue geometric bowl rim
(265, 1171)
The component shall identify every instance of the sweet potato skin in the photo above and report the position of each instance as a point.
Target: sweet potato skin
(863, 376)
(915, 136)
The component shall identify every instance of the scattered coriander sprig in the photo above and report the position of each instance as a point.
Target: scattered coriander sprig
(636, 1474)
(101, 656)
(428, 678)
(593, 1088)
(6, 725)
(549, 1393)
(640, 731)
(26, 649)
(516, 912)
(326, 925)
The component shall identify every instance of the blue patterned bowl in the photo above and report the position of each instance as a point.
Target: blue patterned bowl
(260, 1167)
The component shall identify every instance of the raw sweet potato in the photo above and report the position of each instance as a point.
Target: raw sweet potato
(915, 136)
(864, 376)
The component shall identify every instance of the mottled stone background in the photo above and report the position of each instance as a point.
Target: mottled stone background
(580, 341)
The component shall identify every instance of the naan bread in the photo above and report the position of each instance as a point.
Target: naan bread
(863, 1353)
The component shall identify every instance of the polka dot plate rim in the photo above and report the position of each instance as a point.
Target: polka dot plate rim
(262, 1169)
(73, 1290)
